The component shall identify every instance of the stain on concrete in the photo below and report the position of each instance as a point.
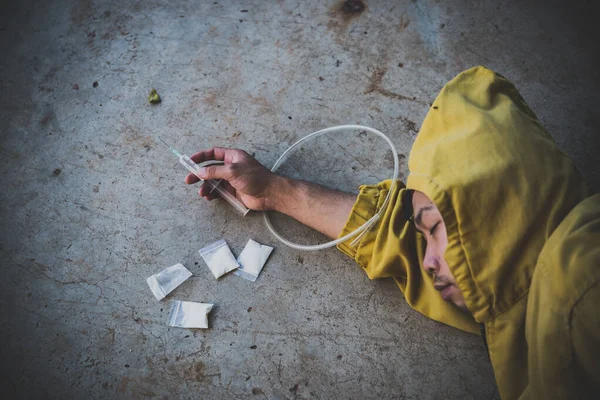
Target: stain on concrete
(376, 86)
(343, 13)
(94, 152)
(351, 8)
(214, 31)
(51, 73)
(256, 391)
(91, 36)
(211, 99)
(403, 24)
(408, 125)
(259, 100)
(110, 335)
(145, 393)
(389, 159)
(195, 371)
(46, 118)
(122, 386)
(81, 11)
(132, 136)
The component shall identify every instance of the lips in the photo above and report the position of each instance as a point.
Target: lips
(444, 291)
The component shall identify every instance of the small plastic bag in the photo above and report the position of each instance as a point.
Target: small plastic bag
(187, 314)
(252, 260)
(167, 280)
(219, 258)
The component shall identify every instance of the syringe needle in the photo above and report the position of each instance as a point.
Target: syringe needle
(159, 138)
(170, 148)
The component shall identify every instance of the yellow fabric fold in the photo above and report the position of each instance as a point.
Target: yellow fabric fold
(392, 248)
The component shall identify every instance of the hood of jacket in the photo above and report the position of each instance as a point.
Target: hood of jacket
(500, 183)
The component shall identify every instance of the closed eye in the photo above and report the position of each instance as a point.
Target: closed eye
(434, 227)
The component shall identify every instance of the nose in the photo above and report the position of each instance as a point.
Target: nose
(431, 263)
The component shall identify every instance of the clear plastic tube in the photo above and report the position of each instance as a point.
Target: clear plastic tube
(360, 231)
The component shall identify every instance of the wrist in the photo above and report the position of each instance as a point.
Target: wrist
(281, 190)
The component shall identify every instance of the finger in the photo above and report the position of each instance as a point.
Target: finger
(208, 196)
(214, 153)
(203, 155)
(225, 172)
(191, 178)
(204, 190)
(225, 154)
(199, 157)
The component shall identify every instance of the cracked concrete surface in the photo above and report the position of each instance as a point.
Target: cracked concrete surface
(91, 205)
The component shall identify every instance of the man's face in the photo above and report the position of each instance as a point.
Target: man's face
(429, 222)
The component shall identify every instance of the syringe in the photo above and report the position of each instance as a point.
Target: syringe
(214, 185)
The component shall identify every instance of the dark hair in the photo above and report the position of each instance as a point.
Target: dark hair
(407, 208)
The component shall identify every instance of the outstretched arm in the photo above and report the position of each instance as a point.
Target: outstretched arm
(316, 206)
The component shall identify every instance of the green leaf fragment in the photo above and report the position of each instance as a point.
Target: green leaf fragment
(153, 97)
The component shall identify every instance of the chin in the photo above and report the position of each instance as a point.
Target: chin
(461, 304)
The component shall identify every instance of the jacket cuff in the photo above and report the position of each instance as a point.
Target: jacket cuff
(365, 206)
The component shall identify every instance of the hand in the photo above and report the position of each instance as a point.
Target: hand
(247, 179)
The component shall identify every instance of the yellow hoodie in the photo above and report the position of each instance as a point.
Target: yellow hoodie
(523, 238)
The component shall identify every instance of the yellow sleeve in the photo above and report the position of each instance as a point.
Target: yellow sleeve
(393, 249)
(376, 252)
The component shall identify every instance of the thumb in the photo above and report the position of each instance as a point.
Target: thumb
(216, 172)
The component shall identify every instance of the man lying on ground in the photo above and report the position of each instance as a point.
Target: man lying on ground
(495, 232)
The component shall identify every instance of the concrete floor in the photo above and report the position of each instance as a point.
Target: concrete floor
(91, 205)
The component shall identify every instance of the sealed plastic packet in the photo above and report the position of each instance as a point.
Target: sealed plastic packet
(167, 280)
(219, 258)
(252, 260)
(187, 314)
